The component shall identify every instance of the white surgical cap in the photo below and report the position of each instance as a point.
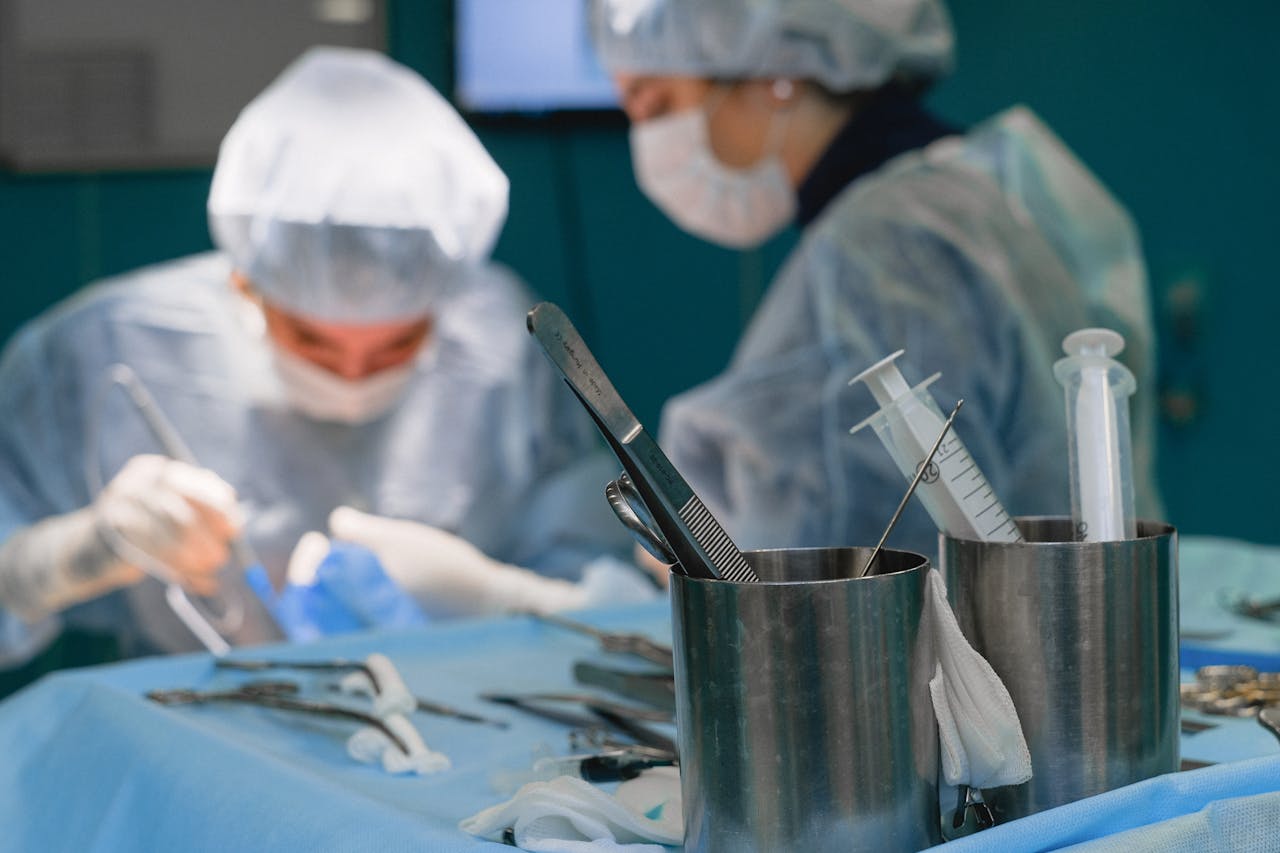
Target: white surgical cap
(350, 190)
(845, 45)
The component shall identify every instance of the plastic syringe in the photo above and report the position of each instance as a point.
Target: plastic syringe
(954, 491)
(1099, 445)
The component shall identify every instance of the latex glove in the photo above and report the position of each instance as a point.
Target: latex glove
(334, 588)
(183, 516)
(176, 514)
(447, 575)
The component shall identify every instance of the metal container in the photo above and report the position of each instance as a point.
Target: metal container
(1085, 637)
(802, 705)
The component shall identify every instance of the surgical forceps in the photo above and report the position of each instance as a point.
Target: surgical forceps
(558, 707)
(615, 641)
(657, 689)
(281, 695)
(692, 535)
(341, 665)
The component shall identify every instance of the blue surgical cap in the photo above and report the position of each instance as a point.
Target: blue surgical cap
(845, 45)
(351, 191)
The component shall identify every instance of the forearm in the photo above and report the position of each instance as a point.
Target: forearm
(55, 563)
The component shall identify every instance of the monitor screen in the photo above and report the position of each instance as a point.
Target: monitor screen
(527, 56)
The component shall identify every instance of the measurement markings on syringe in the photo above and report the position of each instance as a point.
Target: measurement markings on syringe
(1008, 522)
(989, 506)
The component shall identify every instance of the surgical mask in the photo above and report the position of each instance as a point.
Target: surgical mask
(676, 169)
(325, 396)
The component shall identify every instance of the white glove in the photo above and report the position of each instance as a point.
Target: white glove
(447, 575)
(183, 516)
(177, 514)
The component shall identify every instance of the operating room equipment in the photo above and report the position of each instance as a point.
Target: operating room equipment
(339, 665)
(612, 765)
(911, 489)
(281, 695)
(657, 689)
(1097, 389)
(693, 535)
(629, 507)
(1269, 719)
(614, 641)
(1084, 635)
(586, 712)
(586, 700)
(1261, 609)
(210, 618)
(958, 497)
(1233, 690)
(811, 674)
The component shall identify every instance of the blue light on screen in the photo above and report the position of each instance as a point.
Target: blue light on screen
(527, 56)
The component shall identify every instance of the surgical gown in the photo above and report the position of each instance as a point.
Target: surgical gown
(976, 254)
(486, 443)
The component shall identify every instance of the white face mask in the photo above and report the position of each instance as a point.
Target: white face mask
(676, 169)
(325, 396)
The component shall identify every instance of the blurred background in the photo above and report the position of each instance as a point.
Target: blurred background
(110, 116)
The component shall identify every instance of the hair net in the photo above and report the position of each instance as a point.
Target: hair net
(351, 191)
(842, 44)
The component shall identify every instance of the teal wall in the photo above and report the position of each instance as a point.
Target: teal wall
(1155, 96)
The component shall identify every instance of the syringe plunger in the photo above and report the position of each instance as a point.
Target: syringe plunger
(1097, 389)
(954, 491)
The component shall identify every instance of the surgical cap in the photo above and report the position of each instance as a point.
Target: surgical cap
(349, 190)
(845, 45)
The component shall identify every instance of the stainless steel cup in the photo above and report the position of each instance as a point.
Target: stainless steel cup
(1085, 637)
(802, 705)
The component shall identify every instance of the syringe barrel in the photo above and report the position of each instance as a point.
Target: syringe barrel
(954, 491)
(1099, 446)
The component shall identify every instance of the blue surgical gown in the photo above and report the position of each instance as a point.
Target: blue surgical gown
(977, 254)
(486, 443)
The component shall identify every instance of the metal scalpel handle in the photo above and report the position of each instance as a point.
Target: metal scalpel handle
(701, 545)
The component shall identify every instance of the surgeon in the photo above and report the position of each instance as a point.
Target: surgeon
(348, 348)
(976, 252)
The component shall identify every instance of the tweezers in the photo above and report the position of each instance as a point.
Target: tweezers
(615, 641)
(701, 546)
(274, 694)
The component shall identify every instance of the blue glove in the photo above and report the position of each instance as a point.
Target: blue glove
(350, 592)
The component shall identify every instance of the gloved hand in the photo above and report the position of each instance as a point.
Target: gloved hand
(447, 575)
(183, 516)
(177, 514)
(334, 588)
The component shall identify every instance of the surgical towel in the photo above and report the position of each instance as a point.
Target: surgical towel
(981, 739)
(568, 815)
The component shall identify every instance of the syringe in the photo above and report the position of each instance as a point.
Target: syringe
(953, 489)
(1097, 390)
